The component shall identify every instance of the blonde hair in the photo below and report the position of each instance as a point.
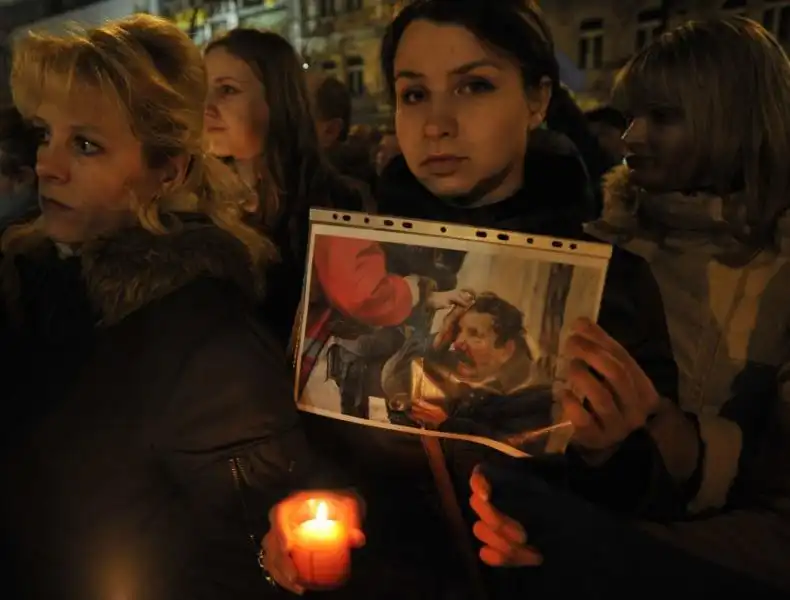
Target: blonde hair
(155, 75)
(731, 80)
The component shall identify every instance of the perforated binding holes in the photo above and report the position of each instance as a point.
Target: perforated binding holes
(503, 236)
(556, 244)
(389, 222)
(407, 225)
(367, 219)
(481, 234)
(530, 240)
(443, 230)
(346, 218)
(335, 216)
(573, 246)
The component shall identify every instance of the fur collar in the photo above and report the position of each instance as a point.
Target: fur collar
(636, 219)
(133, 268)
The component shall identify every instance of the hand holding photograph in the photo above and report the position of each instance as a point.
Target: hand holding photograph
(440, 329)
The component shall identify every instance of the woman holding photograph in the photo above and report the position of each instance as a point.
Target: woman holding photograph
(465, 161)
(705, 199)
(468, 117)
(151, 423)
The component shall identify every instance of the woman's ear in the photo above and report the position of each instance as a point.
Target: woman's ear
(175, 171)
(538, 99)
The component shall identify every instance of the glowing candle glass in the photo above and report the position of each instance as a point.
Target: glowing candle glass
(321, 551)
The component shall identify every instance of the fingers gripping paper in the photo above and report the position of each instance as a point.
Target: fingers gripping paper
(441, 329)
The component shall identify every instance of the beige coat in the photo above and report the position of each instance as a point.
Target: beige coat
(728, 313)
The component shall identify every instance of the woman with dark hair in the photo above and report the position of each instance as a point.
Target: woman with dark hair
(705, 199)
(259, 118)
(472, 81)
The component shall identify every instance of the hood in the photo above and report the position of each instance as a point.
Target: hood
(643, 221)
(125, 272)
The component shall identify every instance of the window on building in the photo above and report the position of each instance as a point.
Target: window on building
(355, 75)
(591, 44)
(326, 8)
(776, 19)
(648, 27)
(265, 3)
(354, 5)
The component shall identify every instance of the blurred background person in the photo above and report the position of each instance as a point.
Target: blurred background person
(388, 149)
(332, 106)
(350, 155)
(18, 144)
(608, 124)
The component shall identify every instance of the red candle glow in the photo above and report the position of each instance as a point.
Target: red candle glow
(321, 551)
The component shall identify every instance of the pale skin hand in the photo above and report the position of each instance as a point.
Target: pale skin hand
(618, 402)
(277, 543)
(621, 404)
(504, 539)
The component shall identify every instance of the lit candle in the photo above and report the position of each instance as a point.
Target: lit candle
(321, 551)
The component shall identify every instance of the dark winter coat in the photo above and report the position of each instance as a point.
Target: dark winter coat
(144, 407)
(405, 518)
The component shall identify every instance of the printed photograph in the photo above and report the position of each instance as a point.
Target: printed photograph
(434, 334)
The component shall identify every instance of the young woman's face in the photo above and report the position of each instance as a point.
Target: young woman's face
(90, 169)
(462, 114)
(236, 110)
(659, 151)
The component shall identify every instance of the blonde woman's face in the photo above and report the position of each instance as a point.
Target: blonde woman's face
(659, 150)
(236, 110)
(90, 169)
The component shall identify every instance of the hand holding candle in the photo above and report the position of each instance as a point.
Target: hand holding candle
(310, 540)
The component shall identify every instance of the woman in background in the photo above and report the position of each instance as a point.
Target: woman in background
(258, 117)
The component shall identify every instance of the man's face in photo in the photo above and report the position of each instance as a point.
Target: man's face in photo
(475, 346)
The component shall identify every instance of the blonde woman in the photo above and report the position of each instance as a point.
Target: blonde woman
(152, 424)
(705, 199)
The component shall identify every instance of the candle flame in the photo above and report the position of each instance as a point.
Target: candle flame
(322, 512)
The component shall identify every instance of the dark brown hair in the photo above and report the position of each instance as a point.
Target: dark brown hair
(731, 79)
(515, 28)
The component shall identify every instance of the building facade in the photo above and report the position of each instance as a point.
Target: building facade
(26, 15)
(342, 38)
(204, 20)
(600, 35)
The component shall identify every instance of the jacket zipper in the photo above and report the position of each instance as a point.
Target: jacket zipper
(238, 475)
